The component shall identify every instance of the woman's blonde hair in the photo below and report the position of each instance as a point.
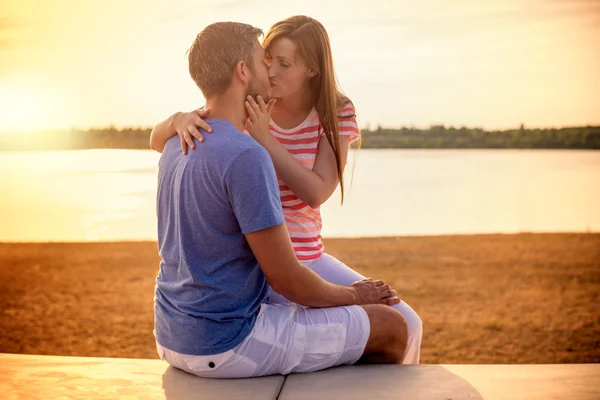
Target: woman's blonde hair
(312, 42)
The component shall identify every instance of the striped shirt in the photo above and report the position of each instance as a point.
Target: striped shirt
(303, 222)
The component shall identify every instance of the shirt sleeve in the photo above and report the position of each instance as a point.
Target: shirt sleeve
(253, 191)
(347, 123)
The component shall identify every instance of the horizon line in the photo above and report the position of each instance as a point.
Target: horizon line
(368, 127)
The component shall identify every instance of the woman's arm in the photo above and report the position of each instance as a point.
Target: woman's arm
(162, 132)
(312, 187)
(184, 124)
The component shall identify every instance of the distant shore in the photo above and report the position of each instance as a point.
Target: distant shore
(522, 298)
(434, 137)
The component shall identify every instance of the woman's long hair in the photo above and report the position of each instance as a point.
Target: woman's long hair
(312, 42)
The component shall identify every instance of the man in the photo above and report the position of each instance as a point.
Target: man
(223, 241)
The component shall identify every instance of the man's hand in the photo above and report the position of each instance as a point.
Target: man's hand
(369, 291)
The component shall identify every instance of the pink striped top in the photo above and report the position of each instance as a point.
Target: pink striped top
(303, 222)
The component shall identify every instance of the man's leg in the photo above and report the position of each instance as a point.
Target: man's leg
(286, 339)
(291, 339)
(374, 333)
(388, 336)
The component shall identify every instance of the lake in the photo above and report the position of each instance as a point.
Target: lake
(109, 195)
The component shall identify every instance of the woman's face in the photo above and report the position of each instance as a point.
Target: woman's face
(288, 74)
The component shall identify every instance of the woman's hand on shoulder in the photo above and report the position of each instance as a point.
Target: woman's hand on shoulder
(188, 125)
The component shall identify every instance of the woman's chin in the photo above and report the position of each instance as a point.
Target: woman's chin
(274, 93)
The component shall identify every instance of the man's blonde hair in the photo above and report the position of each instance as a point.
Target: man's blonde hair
(216, 51)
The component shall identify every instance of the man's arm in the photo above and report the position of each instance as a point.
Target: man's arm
(253, 191)
(273, 250)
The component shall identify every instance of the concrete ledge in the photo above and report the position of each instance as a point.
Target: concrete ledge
(448, 382)
(50, 377)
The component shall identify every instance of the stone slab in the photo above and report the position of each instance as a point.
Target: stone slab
(447, 382)
(54, 377)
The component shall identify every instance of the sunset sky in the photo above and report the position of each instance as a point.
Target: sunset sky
(492, 63)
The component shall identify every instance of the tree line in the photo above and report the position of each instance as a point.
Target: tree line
(441, 137)
(434, 137)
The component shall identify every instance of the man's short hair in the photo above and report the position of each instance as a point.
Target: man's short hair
(216, 51)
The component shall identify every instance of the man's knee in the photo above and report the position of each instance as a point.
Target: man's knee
(400, 327)
(389, 332)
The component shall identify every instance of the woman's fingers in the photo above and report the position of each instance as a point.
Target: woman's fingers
(203, 112)
(271, 104)
(183, 144)
(257, 108)
(189, 136)
(261, 104)
(195, 133)
(189, 140)
(200, 123)
(251, 111)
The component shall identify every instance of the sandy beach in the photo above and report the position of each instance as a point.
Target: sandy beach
(523, 298)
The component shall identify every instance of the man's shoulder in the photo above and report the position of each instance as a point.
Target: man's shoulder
(230, 144)
(230, 140)
(224, 145)
(241, 142)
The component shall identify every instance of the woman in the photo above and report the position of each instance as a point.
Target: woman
(311, 127)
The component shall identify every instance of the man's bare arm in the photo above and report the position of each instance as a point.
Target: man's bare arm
(273, 250)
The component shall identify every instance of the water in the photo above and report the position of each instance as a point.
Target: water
(108, 195)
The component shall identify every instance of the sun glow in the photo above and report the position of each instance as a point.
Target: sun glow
(24, 108)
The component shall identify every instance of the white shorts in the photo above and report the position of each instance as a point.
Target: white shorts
(335, 271)
(286, 338)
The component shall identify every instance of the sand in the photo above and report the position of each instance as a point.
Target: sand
(523, 298)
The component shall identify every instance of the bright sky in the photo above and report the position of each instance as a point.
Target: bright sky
(492, 63)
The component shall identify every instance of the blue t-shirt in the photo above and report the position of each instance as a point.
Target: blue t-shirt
(210, 287)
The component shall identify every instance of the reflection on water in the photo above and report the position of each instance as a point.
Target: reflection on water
(78, 195)
(95, 195)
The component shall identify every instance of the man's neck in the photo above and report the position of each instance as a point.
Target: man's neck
(230, 107)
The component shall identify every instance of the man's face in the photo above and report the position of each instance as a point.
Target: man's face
(259, 83)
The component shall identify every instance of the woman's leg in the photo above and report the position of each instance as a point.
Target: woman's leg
(335, 271)
(277, 298)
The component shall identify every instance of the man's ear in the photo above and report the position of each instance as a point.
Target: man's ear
(241, 70)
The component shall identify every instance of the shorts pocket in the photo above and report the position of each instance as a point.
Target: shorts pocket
(323, 341)
(321, 347)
